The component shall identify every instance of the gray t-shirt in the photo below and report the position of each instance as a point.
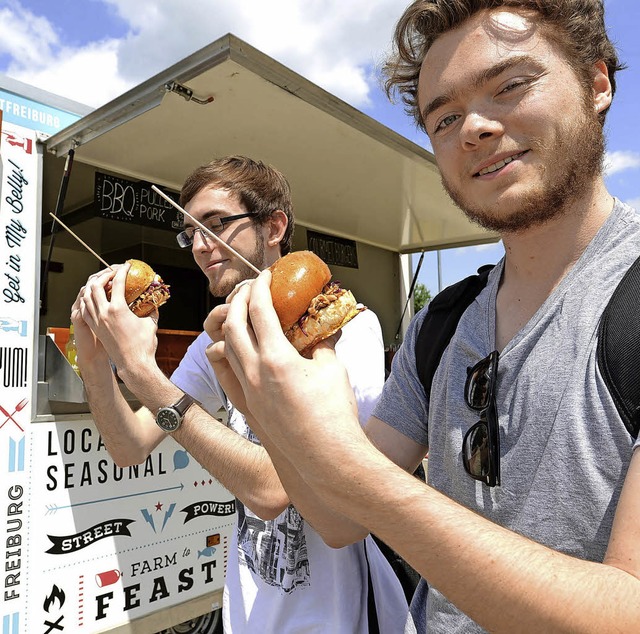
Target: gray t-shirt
(564, 450)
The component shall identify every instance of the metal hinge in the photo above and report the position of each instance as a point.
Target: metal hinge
(186, 93)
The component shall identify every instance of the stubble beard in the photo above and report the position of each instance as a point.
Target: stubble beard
(242, 272)
(580, 153)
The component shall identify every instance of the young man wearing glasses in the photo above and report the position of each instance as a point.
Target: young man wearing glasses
(281, 576)
(531, 522)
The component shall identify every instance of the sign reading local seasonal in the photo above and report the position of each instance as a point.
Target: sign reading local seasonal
(333, 250)
(117, 198)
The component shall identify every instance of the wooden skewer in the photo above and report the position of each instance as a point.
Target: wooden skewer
(84, 244)
(208, 231)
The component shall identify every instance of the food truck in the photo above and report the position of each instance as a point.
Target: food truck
(88, 546)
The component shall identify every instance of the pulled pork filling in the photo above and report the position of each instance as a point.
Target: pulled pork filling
(157, 292)
(330, 293)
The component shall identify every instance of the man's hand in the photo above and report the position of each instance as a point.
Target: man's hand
(125, 338)
(90, 349)
(297, 401)
(214, 327)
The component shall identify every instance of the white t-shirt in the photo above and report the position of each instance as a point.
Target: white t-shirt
(281, 576)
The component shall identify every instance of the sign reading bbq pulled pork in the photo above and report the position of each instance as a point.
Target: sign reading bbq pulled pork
(309, 305)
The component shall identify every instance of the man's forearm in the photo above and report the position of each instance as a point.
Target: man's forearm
(241, 466)
(523, 587)
(127, 438)
(336, 529)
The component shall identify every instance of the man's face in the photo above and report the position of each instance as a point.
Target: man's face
(516, 138)
(223, 270)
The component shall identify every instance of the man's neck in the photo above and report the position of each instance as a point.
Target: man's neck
(538, 259)
(545, 253)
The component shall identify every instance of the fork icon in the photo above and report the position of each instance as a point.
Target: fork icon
(20, 406)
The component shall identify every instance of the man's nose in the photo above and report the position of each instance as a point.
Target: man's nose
(201, 241)
(478, 127)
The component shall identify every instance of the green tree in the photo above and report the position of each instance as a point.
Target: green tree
(421, 296)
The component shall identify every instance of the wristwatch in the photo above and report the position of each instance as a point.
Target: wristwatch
(170, 418)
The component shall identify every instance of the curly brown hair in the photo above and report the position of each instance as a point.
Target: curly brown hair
(577, 27)
(260, 188)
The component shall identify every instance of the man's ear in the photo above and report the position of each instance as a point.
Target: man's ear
(277, 225)
(602, 93)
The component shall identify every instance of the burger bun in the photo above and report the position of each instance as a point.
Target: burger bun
(296, 279)
(309, 305)
(144, 289)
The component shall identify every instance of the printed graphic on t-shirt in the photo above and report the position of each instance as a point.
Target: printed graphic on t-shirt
(275, 550)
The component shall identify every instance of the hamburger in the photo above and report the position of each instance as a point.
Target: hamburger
(144, 289)
(309, 305)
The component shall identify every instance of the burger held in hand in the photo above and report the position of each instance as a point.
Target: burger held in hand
(144, 289)
(309, 305)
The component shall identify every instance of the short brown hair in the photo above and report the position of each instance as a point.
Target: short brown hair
(576, 26)
(260, 188)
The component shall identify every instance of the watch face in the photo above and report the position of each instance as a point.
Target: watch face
(168, 419)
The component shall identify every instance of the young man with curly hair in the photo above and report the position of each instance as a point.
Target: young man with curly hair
(531, 518)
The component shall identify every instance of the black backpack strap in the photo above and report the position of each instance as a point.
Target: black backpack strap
(372, 612)
(441, 321)
(618, 351)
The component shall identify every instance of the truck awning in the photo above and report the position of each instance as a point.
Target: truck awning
(351, 176)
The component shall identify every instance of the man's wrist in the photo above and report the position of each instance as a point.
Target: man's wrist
(150, 385)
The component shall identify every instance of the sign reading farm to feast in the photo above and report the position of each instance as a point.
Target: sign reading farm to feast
(117, 198)
(112, 544)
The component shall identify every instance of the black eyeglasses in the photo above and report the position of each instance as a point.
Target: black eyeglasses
(215, 225)
(481, 444)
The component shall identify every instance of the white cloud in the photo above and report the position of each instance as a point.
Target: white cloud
(24, 36)
(620, 161)
(89, 75)
(634, 202)
(330, 42)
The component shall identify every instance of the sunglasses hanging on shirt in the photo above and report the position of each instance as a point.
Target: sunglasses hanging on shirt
(481, 444)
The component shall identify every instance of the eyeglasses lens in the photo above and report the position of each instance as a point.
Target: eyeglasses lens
(476, 450)
(478, 382)
(481, 444)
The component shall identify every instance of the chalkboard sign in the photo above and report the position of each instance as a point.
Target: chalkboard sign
(333, 250)
(120, 199)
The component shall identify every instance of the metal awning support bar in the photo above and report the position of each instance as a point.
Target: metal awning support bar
(62, 193)
(413, 285)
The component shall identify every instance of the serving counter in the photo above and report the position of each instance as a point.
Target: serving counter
(61, 391)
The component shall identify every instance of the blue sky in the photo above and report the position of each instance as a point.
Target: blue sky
(94, 50)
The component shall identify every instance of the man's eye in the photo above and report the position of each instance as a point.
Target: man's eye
(447, 121)
(514, 85)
